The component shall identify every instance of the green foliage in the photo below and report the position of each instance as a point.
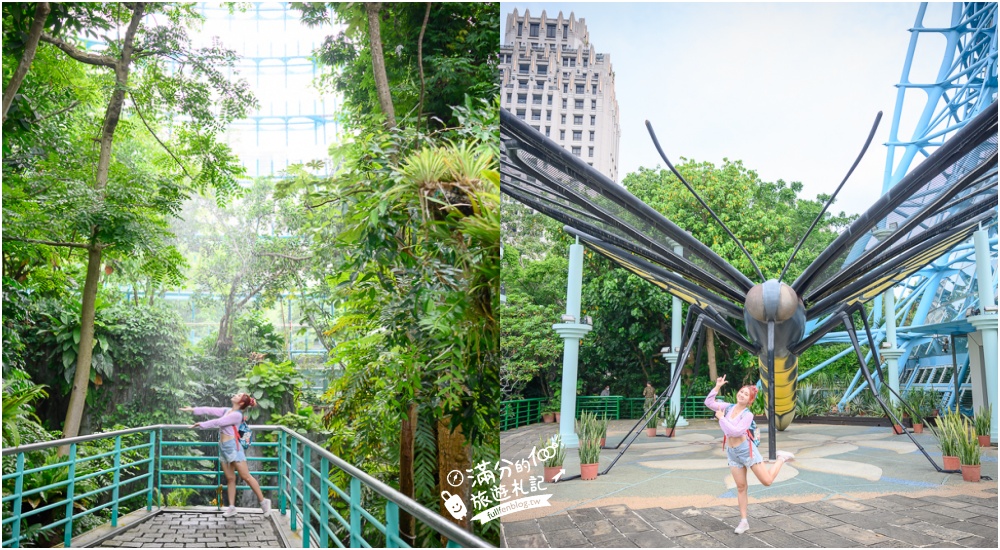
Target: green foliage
(982, 420)
(274, 386)
(809, 401)
(180, 497)
(558, 455)
(590, 431)
(18, 394)
(669, 418)
(459, 57)
(524, 354)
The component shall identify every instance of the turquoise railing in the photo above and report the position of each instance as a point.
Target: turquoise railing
(131, 458)
(297, 469)
(520, 412)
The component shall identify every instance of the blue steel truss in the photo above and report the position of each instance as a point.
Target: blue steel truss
(931, 306)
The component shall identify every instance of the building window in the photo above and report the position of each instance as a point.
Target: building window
(593, 104)
(562, 134)
(509, 98)
(591, 135)
(523, 68)
(578, 104)
(577, 135)
(536, 115)
(548, 115)
(577, 119)
(579, 88)
(585, 60)
(565, 30)
(576, 151)
(550, 30)
(547, 130)
(593, 120)
(522, 84)
(537, 129)
(520, 114)
(536, 99)
(533, 29)
(593, 89)
(550, 99)
(562, 119)
(520, 26)
(542, 69)
(590, 152)
(540, 85)
(564, 103)
(565, 89)
(522, 99)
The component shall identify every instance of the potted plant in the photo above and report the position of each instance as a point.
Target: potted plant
(669, 420)
(946, 432)
(590, 445)
(554, 462)
(969, 452)
(982, 424)
(651, 426)
(601, 429)
(549, 410)
(896, 411)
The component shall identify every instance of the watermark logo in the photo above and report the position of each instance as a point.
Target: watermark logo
(501, 488)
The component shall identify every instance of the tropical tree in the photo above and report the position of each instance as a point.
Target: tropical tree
(115, 199)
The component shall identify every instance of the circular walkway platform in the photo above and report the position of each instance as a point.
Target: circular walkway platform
(849, 487)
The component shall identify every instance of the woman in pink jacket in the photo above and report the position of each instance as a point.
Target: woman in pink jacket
(740, 449)
(231, 453)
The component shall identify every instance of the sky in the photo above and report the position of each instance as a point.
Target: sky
(790, 89)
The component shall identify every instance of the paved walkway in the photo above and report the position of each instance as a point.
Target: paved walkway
(199, 529)
(850, 487)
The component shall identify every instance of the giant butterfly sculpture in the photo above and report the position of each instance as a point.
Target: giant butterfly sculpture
(936, 206)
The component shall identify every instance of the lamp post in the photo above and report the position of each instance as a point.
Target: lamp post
(986, 323)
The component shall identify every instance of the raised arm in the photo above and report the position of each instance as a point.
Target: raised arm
(710, 401)
(210, 411)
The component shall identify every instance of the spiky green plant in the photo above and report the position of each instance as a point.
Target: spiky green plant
(559, 456)
(967, 448)
(982, 420)
(590, 451)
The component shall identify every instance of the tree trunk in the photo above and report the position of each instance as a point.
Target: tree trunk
(78, 396)
(372, 9)
(407, 433)
(713, 372)
(34, 34)
(454, 454)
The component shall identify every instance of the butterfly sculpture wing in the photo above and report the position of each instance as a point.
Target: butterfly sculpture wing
(613, 222)
(935, 207)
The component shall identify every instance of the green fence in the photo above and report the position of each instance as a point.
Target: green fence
(522, 412)
(331, 501)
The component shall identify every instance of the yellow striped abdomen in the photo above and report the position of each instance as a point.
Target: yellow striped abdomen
(785, 384)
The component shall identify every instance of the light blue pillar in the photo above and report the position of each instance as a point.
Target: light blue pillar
(986, 322)
(572, 330)
(892, 353)
(671, 353)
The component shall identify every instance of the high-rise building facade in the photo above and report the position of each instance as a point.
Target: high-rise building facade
(553, 78)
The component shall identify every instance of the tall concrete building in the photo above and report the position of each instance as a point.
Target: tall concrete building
(553, 78)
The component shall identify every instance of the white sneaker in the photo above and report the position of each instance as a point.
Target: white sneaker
(230, 512)
(265, 505)
(785, 455)
(742, 527)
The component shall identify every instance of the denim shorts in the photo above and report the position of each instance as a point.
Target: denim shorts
(231, 451)
(740, 456)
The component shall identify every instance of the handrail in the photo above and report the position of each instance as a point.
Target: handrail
(414, 508)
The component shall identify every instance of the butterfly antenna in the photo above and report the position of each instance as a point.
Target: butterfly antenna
(871, 135)
(656, 143)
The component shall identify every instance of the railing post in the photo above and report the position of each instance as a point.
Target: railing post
(16, 510)
(324, 504)
(291, 481)
(305, 496)
(70, 487)
(116, 480)
(391, 524)
(158, 470)
(282, 454)
(355, 514)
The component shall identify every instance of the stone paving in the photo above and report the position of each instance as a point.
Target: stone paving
(891, 521)
(172, 529)
(849, 487)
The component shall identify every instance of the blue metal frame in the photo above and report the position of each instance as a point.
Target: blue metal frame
(965, 84)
